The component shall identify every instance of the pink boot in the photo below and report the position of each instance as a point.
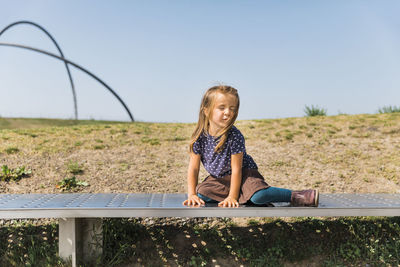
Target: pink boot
(305, 198)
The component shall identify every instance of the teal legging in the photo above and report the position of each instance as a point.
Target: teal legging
(263, 196)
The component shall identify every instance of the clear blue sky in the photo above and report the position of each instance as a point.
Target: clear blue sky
(160, 57)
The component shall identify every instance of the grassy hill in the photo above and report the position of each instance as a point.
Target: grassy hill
(24, 123)
(357, 153)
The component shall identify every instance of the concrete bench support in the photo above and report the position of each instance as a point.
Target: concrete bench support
(80, 239)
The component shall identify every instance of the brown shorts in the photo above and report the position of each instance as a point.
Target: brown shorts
(218, 188)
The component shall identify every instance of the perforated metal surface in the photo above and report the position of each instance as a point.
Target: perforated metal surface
(170, 205)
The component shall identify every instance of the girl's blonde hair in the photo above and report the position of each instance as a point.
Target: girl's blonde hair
(206, 108)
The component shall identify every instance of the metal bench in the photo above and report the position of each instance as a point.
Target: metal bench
(80, 223)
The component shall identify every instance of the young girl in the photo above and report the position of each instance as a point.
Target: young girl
(220, 146)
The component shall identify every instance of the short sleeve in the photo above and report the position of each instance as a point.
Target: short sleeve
(196, 147)
(238, 144)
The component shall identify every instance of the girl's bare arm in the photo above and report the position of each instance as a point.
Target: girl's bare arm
(192, 179)
(236, 180)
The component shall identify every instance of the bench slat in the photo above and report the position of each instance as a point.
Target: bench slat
(170, 205)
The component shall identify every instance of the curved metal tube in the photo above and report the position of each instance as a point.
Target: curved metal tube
(59, 50)
(76, 66)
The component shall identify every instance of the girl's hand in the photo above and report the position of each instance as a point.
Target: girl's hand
(193, 200)
(229, 202)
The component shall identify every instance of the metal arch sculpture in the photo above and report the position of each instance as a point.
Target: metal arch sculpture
(59, 50)
(76, 66)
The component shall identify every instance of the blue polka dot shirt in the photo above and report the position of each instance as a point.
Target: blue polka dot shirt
(219, 164)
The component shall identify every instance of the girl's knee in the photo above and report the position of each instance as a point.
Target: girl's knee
(257, 198)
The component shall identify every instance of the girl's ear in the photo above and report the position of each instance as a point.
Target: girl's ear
(205, 112)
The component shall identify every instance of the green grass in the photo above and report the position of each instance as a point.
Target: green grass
(7, 174)
(17, 123)
(74, 167)
(314, 111)
(199, 242)
(29, 243)
(389, 109)
(11, 150)
(70, 184)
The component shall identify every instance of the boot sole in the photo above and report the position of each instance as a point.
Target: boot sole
(316, 198)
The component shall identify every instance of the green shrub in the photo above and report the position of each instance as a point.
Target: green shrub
(17, 174)
(389, 109)
(314, 111)
(26, 243)
(69, 183)
(74, 167)
(12, 150)
(151, 141)
(289, 136)
(79, 143)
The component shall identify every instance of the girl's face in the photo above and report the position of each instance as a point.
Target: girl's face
(224, 109)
